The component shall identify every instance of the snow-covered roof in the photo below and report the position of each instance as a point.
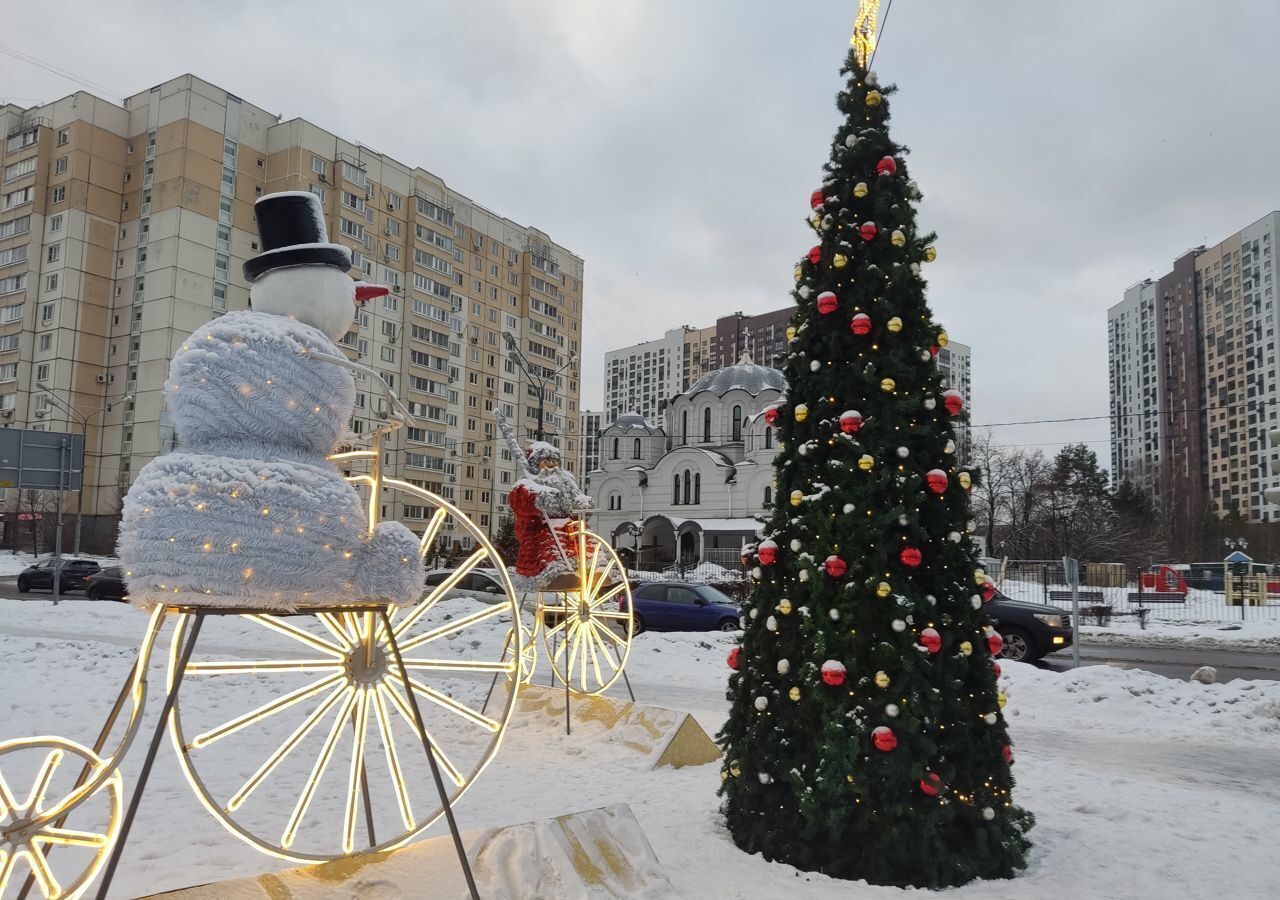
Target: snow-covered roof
(633, 421)
(743, 377)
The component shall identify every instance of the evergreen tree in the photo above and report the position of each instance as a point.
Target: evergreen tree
(865, 738)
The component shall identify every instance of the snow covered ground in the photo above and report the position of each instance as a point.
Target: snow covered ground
(1144, 787)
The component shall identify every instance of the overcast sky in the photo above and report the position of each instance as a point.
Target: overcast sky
(1065, 149)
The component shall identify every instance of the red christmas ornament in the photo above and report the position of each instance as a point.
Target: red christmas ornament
(827, 302)
(988, 590)
(833, 673)
(937, 480)
(887, 166)
(931, 784)
(817, 198)
(815, 255)
(995, 667)
(850, 421)
(771, 415)
(835, 566)
(1007, 752)
(995, 643)
(884, 738)
(861, 324)
(934, 350)
(953, 400)
(931, 640)
(868, 231)
(735, 658)
(768, 552)
(910, 557)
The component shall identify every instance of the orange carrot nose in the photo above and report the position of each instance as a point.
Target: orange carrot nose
(366, 291)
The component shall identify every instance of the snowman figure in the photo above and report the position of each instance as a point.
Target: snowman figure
(248, 512)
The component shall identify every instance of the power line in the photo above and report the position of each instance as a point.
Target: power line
(60, 72)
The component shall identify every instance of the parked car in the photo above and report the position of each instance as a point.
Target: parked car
(1030, 630)
(106, 585)
(482, 584)
(679, 606)
(75, 572)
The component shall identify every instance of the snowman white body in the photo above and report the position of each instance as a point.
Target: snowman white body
(248, 513)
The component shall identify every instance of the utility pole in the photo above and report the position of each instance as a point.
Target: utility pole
(534, 373)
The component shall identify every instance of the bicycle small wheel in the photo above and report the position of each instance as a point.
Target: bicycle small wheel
(587, 631)
(60, 861)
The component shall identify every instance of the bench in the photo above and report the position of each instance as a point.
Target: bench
(1145, 597)
(1092, 606)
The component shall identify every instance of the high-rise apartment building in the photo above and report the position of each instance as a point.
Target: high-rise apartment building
(123, 228)
(589, 458)
(1194, 378)
(642, 378)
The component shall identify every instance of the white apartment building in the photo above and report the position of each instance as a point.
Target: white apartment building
(642, 378)
(1133, 346)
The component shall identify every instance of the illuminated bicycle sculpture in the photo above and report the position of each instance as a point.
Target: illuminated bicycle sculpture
(302, 734)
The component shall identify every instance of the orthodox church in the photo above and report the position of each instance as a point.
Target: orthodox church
(698, 489)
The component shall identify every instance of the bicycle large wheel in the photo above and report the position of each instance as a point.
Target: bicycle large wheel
(297, 733)
(587, 631)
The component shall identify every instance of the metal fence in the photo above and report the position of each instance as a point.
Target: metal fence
(1112, 590)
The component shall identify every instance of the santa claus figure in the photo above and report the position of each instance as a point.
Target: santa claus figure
(546, 503)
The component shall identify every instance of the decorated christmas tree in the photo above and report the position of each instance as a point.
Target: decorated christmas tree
(865, 738)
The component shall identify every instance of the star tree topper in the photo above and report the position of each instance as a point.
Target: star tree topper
(864, 30)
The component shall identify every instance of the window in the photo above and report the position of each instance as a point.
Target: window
(768, 439)
(54, 253)
(615, 448)
(389, 354)
(21, 226)
(64, 137)
(13, 255)
(13, 283)
(11, 313)
(353, 201)
(768, 495)
(18, 197)
(318, 191)
(697, 488)
(706, 425)
(46, 342)
(60, 165)
(394, 201)
(55, 223)
(737, 423)
(675, 490)
(8, 342)
(319, 166)
(59, 194)
(353, 229)
(688, 487)
(51, 282)
(42, 372)
(353, 173)
(18, 169)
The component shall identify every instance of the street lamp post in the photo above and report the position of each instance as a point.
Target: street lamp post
(82, 420)
(535, 374)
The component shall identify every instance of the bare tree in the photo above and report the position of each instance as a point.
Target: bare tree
(991, 495)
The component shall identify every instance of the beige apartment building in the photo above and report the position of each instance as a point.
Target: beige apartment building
(124, 227)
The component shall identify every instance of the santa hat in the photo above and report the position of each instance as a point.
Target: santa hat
(292, 232)
(541, 450)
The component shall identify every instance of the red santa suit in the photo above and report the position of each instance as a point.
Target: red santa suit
(546, 504)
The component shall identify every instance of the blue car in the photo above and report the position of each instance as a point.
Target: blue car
(678, 606)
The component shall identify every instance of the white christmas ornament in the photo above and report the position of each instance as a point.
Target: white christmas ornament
(925, 356)
(762, 703)
(899, 625)
(988, 813)
(989, 718)
(771, 623)
(804, 574)
(796, 545)
(975, 601)
(891, 710)
(848, 508)
(915, 268)
(804, 292)
(756, 573)
(766, 778)
(754, 613)
(903, 521)
(814, 365)
(784, 666)
(742, 622)
(851, 141)
(930, 403)
(955, 537)
(834, 614)
(931, 600)
(903, 452)
(950, 446)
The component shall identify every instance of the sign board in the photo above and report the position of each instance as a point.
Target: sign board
(41, 460)
(1071, 571)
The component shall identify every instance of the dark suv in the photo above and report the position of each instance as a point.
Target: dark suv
(1030, 630)
(106, 585)
(75, 572)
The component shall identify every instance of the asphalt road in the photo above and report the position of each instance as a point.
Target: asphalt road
(1172, 662)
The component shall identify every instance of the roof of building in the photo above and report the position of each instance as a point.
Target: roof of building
(634, 421)
(743, 377)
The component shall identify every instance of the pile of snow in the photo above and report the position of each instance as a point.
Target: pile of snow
(1263, 634)
(700, 573)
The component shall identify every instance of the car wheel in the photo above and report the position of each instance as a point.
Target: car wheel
(92, 593)
(23, 586)
(728, 624)
(637, 624)
(1018, 645)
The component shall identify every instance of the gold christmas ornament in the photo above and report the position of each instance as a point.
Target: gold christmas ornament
(866, 462)
(883, 589)
(966, 648)
(966, 482)
(796, 498)
(943, 339)
(839, 260)
(735, 771)
(930, 254)
(882, 680)
(784, 606)
(1001, 699)
(860, 190)
(791, 332)
(894, 324)
(874, 98)
(798, 273)
(802, 412)
(979, 576)
(887, 385)
(814, 221)
(794, 693)
(898, 239)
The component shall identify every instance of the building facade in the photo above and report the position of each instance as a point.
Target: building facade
(641, 378)
(589, 458)
(1203, 385)
(124, 228)
(694, 488)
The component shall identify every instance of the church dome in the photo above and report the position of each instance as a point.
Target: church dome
(743, 377)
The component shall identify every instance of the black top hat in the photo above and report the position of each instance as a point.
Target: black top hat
(291, 226)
